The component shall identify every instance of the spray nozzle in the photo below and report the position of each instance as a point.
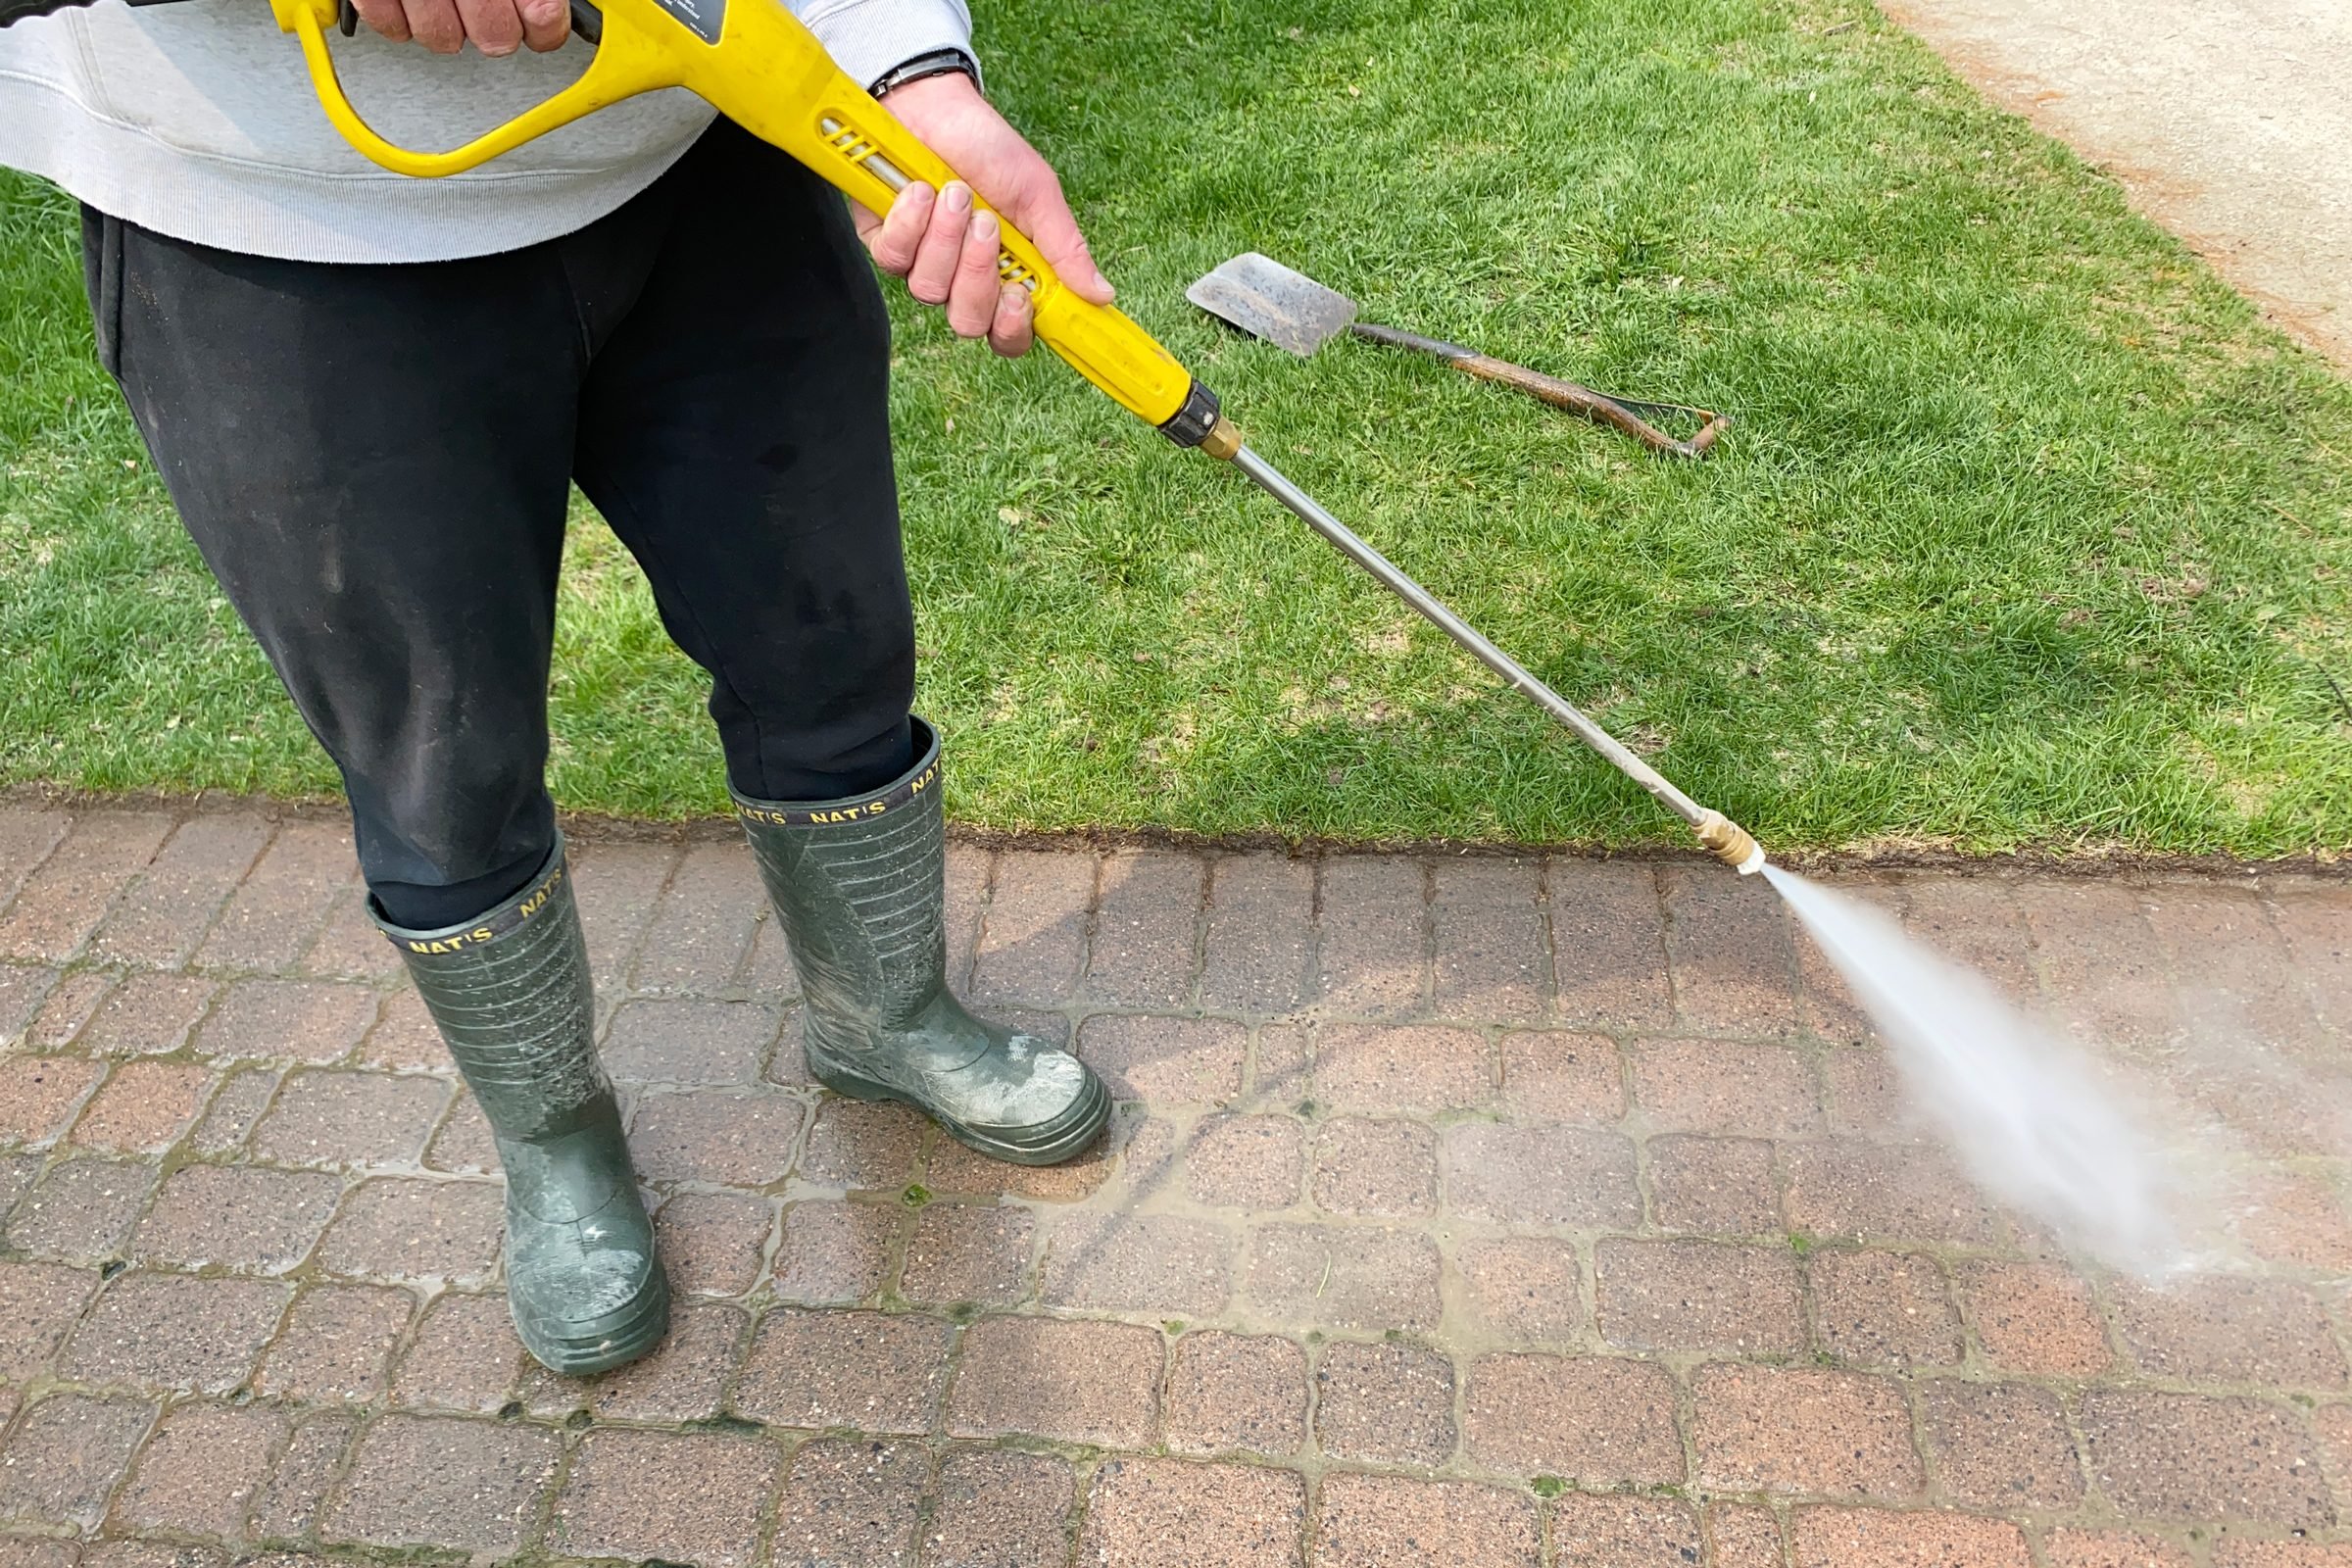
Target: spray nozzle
(1730, 844)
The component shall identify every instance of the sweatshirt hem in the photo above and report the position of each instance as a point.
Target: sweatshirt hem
(262, 209)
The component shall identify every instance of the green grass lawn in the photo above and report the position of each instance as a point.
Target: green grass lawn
(2030, 533)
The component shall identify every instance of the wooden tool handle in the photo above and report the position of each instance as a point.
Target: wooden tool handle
(1618, 414)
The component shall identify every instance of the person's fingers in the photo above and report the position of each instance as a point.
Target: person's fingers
(933, 273)
(1046, 217)
(546, 23)
(385, 16)
(493, 26)
(1012, 331)
(436, 24)
(972, 294)
(895, 238)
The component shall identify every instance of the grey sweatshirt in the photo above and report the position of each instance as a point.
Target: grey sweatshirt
(198, 121)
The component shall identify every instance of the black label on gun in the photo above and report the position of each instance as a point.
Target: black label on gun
(702, 15)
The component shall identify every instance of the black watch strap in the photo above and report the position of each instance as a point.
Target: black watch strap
(938, 63)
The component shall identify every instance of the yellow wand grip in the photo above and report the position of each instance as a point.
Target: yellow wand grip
(770, 76)
(1099, 341)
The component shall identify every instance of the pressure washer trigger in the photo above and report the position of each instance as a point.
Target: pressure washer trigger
(347, 20)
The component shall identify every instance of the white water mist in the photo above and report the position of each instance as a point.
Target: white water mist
(2025, 1109)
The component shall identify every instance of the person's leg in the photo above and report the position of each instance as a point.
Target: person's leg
(736, 431)
(373, 460)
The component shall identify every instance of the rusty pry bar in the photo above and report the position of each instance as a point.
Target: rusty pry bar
(1619, 413)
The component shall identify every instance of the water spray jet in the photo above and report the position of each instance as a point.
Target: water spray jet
(2025, 1109)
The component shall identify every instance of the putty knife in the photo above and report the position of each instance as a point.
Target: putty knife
(1292, 311)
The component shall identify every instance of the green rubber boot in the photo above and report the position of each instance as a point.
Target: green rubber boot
(861, 884)
(511, 994)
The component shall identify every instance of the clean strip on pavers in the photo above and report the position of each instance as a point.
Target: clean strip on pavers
(1479, 1210)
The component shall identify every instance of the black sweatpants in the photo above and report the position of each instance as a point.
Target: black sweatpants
(374, 462)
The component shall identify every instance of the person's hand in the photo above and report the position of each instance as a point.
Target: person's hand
(945, 251)
(494, 27)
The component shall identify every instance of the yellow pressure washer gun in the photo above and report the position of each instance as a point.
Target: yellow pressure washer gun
(756, 64)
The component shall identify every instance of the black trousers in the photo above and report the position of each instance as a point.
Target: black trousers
(374, 461)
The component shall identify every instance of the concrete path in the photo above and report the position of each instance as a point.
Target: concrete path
(1461, 1212)
(2228, 122)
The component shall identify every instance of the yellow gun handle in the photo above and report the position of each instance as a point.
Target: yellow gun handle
(754, 62)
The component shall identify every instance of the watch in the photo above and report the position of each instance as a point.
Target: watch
(938, 63)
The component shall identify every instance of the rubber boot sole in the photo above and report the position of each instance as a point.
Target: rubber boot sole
(1049, 1143)
(626, 1334)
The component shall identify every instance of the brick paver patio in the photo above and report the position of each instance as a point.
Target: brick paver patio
(1463, 1211)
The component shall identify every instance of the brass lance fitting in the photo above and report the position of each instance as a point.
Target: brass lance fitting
(1730, 844)
(1223, 440)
